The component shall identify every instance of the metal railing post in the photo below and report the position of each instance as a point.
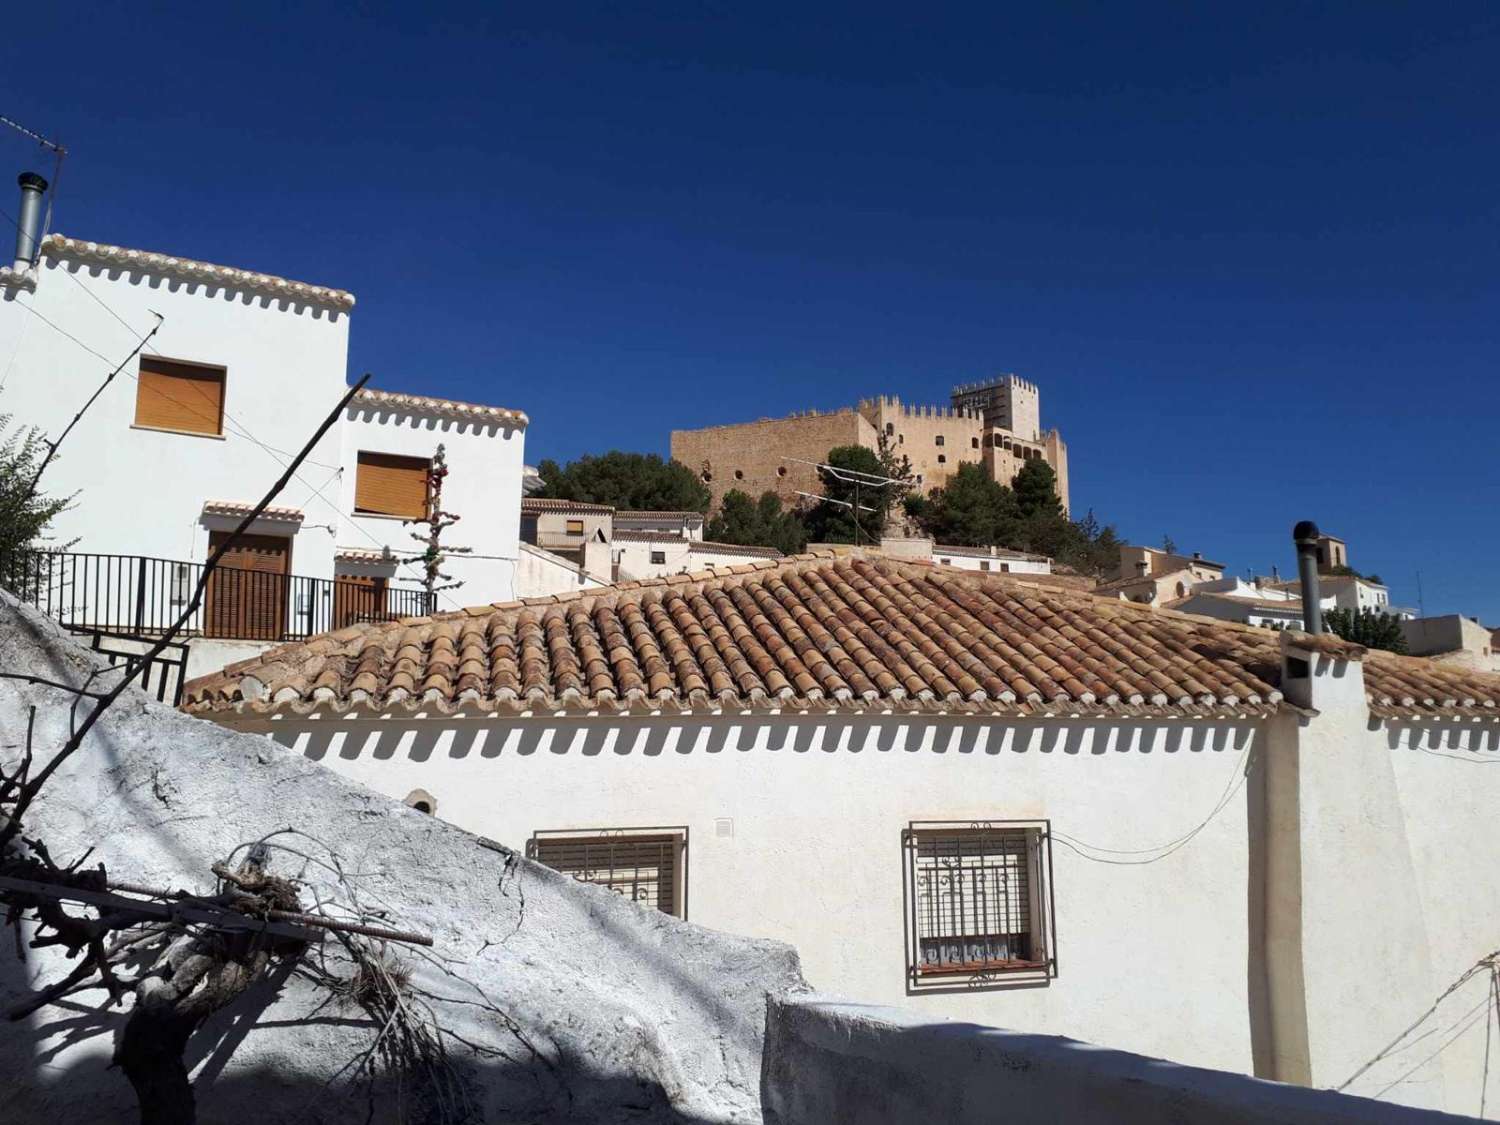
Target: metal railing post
(140, 595)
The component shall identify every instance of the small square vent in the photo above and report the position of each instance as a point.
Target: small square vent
(724, 828)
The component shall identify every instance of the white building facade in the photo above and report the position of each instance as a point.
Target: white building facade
(976, 797)
(236, 372)
(990, 559)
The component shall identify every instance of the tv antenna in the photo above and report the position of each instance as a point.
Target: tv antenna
(860, 481)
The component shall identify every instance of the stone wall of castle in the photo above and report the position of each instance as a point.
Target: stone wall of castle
(768, 455)
(756, 457)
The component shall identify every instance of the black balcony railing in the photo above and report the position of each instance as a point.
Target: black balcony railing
(140, 596)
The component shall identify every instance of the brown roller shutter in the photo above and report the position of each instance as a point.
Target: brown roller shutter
(358, 598)
(390, 485)
(180, 396)
(246, 597)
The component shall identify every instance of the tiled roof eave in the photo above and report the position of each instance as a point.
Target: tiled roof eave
(813, 633)
(541, 708)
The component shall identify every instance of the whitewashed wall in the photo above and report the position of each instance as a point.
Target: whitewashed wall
(1448, 779)
(540, 573)
(816, 810)
(998, 564)
(141, 491)
(634, 558)
(486, 460)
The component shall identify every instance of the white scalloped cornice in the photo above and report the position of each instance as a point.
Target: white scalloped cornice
(443, 407)
(73, 249)
(17, 279)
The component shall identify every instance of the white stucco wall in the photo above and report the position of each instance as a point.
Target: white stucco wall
(540, 573)
(486, 460)
(1448, 780)
(634, 558)
(679, 556)
(141, 491)
(815, 808)
(999, 564)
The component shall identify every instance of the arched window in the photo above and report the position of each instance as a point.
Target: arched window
(974, 443)
(890, 428)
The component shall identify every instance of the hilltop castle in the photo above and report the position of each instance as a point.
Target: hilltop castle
(996, 424)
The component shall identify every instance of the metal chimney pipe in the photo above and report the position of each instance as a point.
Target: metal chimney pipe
(29, 221)
(1305, 535)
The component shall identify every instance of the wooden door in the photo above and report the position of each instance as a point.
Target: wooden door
(246, 597)
(358, 598)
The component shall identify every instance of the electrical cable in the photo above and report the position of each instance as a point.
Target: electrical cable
(1082, 848)
(237, 426)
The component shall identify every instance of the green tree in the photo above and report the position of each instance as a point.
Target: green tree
(972, 510)
(25, 514)
(1366, 627)
(757, 524)
(629, 481)
(835, 522)
(1035, 487)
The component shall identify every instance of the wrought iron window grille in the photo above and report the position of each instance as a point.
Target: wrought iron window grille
(979, 904)
(647, 865)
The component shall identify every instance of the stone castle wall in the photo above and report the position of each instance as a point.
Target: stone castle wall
(767, 456)
(756, 457)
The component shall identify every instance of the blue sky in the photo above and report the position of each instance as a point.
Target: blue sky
(1249, 254)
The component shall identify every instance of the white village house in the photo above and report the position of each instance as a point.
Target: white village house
(981, 796)
(242, 368)
(569, 545)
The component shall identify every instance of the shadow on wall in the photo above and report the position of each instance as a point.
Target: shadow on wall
(387, 415)
(423, 740)
(464, 1087)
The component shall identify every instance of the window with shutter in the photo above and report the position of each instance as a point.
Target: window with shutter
(646, 865)
(184, 397)
(387, 484)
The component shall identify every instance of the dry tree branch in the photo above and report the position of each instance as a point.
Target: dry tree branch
(108, 379)
(29, 791)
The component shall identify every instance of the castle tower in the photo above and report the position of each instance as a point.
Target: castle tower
(1006, 401)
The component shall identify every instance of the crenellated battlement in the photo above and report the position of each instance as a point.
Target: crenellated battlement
(892, 404)
(1000, 382)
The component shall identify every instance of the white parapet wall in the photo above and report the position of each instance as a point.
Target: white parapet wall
(829, 1061)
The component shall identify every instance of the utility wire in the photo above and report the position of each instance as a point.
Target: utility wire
(1082, 849)
(1489, 961)
(241, 429)
(99, 390)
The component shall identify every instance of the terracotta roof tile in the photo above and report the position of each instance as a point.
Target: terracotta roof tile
(822, 632)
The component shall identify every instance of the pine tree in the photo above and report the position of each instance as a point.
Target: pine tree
(870, 504)
(1035, 487)
(757, 524)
